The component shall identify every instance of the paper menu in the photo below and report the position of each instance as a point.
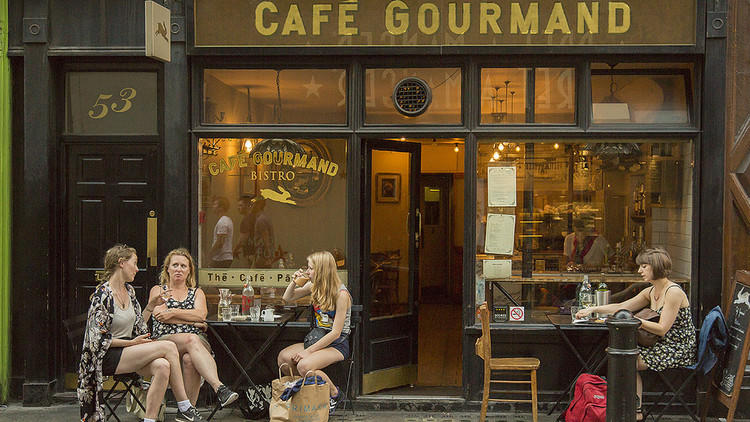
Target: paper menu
(498, 268)
(501, 186)
(499, 234)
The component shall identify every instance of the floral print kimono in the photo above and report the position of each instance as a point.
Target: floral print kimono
(96, 342)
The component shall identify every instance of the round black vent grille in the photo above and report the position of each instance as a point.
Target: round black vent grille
(412, 96)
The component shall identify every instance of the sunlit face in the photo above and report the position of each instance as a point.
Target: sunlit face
(178, 269)
(129, 267)
(646, 272)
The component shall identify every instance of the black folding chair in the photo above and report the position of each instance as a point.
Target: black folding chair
(700, 373)
(347, 365)
(76, 328)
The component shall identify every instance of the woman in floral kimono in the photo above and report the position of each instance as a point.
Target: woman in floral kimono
(117, 342)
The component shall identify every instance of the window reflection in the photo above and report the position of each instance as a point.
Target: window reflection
(582, 207)
(274, 96)
(444, 83)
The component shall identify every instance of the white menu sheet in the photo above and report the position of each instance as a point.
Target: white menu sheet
(498, 268)
(501, 186)
(500, 234)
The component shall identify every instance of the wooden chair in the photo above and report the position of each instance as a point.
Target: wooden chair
(506, 367)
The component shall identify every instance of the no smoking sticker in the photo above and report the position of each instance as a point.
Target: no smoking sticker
(516, 313)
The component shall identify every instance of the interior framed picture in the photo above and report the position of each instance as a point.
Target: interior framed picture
(388, 187)
(248, 187)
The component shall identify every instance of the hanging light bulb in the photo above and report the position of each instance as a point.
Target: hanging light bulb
(556, 146)
(501, 147)
(248, 145)
(492, 160)
(455, 147)
(518, 148)
(496, 155)
(403, 138)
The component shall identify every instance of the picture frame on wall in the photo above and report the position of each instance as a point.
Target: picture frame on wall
(248, 188)
(388, 187)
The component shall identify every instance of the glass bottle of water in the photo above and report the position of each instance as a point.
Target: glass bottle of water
(586, 294)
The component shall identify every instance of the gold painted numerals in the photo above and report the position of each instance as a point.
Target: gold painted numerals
(99, 109)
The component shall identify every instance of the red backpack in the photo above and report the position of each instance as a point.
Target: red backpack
(589, 402)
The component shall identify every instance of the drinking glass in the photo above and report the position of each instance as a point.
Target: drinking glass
(226, 314)
(235, 311)
(255, 313)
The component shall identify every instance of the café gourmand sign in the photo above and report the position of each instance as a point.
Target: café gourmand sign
(273, 23)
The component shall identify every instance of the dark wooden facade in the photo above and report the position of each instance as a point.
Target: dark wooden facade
(108, 35)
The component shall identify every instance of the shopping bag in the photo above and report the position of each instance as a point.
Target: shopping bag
(311, 402)
(278, 410)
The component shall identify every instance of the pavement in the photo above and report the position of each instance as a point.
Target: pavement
(69, 412)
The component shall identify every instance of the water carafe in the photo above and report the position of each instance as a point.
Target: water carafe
(225, 301)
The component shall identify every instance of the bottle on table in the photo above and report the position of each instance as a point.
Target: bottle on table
(585, 294)
(248, 295)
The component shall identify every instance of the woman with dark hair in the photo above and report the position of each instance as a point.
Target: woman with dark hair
(180, 320)
(676, 346)
(117, 342)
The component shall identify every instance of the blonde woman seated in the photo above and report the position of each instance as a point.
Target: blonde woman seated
(676, 346)
(332, 312)
(117, 342)
(180, 320)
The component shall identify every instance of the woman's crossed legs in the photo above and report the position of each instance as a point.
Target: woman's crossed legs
(197, 362)
(160, 360)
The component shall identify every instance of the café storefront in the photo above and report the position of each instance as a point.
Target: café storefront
(447, 153)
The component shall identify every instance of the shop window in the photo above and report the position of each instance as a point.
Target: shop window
(274, 96)
(426, 96)
(638, 93)
(505, 98)
(550, 212)
(275, 201)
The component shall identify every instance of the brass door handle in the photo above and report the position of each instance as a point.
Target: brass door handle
(151, 236)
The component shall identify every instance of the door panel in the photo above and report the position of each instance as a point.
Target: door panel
(434, 252)
(390, 251)
(109, 192)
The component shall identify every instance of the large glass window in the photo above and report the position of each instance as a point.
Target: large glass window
(506, 99)
(443, 85)
(265, 204)
(641, 93)
(274, 96)
(550, 212)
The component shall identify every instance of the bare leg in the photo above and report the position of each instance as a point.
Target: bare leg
(192, 378)
(286, 355)
(135, 358)
(158, 369)
(319, 360)
(640, 365)
(200, 356)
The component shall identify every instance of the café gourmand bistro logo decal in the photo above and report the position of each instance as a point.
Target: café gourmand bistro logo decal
(227, 23)
(285, 171)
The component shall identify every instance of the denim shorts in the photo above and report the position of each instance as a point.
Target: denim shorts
(342, 345)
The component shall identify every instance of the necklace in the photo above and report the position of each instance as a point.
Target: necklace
(119, 301)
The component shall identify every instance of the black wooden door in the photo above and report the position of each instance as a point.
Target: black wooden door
(390, 256)
(110, 192)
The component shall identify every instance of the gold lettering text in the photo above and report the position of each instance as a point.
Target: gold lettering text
(588, 18)
(333, 169)
(293, 22)
(213, 168)
(300, 160)
(614, 7)
(288, 157)
(345, 18)
(434, 18)
(489, 14)
(319, 17)
(243, 160)
(261, 8)
(223, 165)
(557, 21)
(323, 166)
(313, 163)
(267, 157)
(397, 17)
(453, 19)
(257, 158)
(528, 24)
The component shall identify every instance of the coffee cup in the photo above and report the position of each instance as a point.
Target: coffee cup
(301, 280)
(267, 314)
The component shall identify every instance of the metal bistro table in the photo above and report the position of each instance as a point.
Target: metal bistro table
(596, 356)
(276, 327)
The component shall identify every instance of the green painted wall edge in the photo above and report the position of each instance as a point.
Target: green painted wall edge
(5, 205)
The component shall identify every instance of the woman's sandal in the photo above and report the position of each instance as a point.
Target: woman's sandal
(638, 410)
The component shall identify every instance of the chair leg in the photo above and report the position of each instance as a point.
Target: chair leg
(110, 408)
(533, 395)
(485, 399)
(129, 387)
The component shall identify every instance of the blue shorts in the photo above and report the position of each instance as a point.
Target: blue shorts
(342, 345)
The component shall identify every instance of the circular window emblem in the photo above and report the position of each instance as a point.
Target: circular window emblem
(412, 96)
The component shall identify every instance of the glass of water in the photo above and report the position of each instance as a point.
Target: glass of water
(255, 313)
(235, 311)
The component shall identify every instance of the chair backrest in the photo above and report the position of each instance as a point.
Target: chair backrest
(75, 327)
(484, 343)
